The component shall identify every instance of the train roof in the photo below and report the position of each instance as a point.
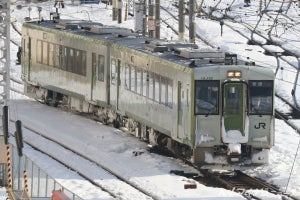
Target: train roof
(186, 54)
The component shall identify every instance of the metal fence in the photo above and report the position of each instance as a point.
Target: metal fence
(40, 184)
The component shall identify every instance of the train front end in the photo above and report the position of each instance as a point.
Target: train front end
(234, 115)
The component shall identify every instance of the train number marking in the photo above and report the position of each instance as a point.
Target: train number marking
(206, 78)
(260, 125)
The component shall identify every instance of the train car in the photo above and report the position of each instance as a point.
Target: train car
(198, 102)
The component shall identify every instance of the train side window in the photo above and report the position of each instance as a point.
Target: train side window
(157, 87)
(39, 51)
(151, 85)
(45, 53)
(113, 72)
(77, 63)
(145, 83)
(70, 59)
(139, 81)
(132, 79)
(206, 97)
(56, 55)
(100, 68)
(51, 54)
(127, 77)
(83, 63)
(170, 93)
(261, 97)
(163, 90)
(63, 58)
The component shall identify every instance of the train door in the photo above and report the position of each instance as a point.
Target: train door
(180, 93)
(115, 82)
(234, 113)
(118, 81)
(98, 78)
(26, 58)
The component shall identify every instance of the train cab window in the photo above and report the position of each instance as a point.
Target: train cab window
(206, 97)
(100, 68)
(113, 75)
(261, 97)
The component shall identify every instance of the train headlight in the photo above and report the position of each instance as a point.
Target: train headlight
(234, 74)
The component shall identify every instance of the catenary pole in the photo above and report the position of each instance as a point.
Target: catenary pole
(181, 20)
(5, 51)
(192, 26)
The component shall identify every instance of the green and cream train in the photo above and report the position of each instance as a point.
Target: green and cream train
(199, 102)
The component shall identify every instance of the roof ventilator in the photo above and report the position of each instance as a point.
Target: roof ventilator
(101, 30)
(214, 56)
(155, 46)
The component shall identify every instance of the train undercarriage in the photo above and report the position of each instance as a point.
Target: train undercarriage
(108, 116)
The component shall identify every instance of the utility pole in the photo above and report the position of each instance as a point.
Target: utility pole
(144, 17)
(119, 10)
(114, 10)
(181, 20)
(192, 24)
(157, 19)
(151, 19)
(5, 51)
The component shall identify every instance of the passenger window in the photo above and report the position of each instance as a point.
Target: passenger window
(132, 79)
(151, 86)
(163, 91)
(139, 81)
(170, 93)
(83, 64)
(51, 54)
(127, 77)
(100, 68)
(45, 53)
(157, 87)
(145, 83)
(39, 51)
(77, 63)
(113, 72)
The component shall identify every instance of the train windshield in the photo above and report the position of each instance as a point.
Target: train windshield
(206, 97)
(261, 97)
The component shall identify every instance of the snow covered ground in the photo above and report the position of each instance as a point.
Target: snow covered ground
(152, 169)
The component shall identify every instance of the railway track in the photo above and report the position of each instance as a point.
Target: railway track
(117, 188)
(242, 183)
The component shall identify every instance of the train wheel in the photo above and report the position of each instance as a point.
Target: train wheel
(117, 122)
(51, 99)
